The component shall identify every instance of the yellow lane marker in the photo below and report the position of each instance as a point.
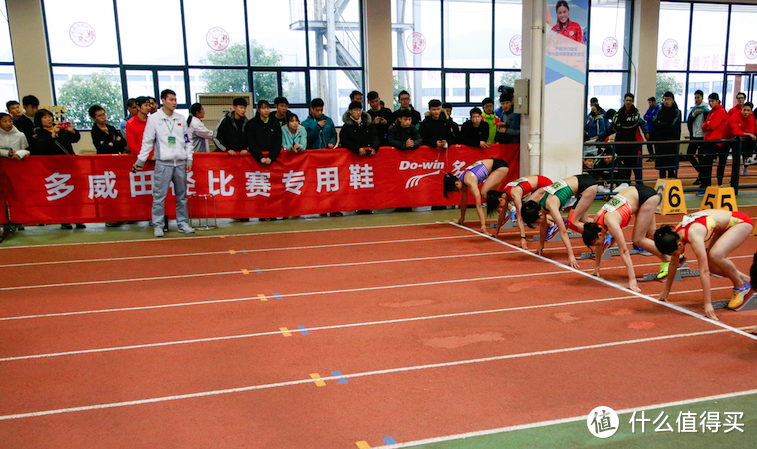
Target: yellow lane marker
(285, 331)
(318, 383)
(262, 297)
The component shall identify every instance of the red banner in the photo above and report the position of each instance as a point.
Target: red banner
(98, 188)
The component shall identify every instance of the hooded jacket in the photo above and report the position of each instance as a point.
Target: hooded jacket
(229, 135)
(433, 130)
(13, 140)
(715, 125)
(288, 139)
(355, 136)
(667, 123)
(320, 137)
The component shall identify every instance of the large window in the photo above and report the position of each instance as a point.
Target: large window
(457, 51)
(8, 87)
(609, 51)
(707, 47)
(107, 51)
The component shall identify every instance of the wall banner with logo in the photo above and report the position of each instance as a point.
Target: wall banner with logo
(99, 188)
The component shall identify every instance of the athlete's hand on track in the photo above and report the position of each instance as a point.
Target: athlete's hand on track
(710, 312)
(573, 263)
(634, 286)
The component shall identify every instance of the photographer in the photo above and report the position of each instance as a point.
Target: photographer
(52, 138)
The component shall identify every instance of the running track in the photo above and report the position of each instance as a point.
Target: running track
(434, 329)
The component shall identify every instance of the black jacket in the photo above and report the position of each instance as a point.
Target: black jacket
(472, 136)
(108, 143)
(432, 130)
(667, 123)
(416, 116)
(263, 137)
(47, 145)
(26, 126)
(381, 128)
(356, 136)
(229, 135)
(398, 135)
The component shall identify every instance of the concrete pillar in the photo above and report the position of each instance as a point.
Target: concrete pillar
(644, 50)
(377, 25)
(30, 50)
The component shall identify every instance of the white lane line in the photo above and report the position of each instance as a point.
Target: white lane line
(252, 234)
(222, 273)
(290, 248)
(356, 375)
(287, 295)
(611, 284)
(553, 422)
(318, 328)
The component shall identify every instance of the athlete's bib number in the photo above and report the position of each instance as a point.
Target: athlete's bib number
(557, 185)
(516, 182)
(614, 203)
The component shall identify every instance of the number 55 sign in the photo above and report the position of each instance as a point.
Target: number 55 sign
(670, 192)
(719, 198)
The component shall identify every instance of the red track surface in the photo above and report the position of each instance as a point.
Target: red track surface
(533, 306)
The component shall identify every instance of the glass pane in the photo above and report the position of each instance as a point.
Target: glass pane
(455, 87)
(709, 26)
(673, 41)
(294, 87)
(173, 80)
(78, 88)
(734, 85)
(431, 80)
(742, 43)
(504, 79)
(479, 87)
(282, 40)
(707, 83)
(217, 80)
(669, 82)
(459, 35)
(139, 83)
(346, 49)
(81, 32)
(302, 113)
(334, 88)
(6, 52)
(609, 89)
(154, 38)
(608, 43)
(508, 47)
(406, 80)
(8, 87)
(215, 36)
(266, 86)
(417, 34)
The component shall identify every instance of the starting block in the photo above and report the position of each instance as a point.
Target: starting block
(749, 304)
(670, 192)
(556, 237)
(614, 252)
(683, 272)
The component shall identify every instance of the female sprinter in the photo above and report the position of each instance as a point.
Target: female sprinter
(725, 231)
(615, 215)
(516, 191)
(489, 172)
(551, 199)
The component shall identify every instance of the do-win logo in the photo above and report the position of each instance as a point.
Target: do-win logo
(415, 180)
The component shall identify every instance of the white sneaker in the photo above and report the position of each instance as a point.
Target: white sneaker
(621, 188)
(750, 161)
(158, 231)
(185, 228)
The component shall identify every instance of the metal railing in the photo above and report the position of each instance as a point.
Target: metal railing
(709, 155)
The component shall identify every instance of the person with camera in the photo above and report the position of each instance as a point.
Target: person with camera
(52, 138)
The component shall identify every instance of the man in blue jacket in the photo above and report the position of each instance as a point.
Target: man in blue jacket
(321, 130)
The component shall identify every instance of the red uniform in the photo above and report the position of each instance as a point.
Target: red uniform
(571, 30)
(738, 125)
(716, 123)
(524, 184)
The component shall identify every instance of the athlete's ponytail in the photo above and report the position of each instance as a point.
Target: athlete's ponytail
(666, 240)
(449, 183)
(591, 233)
(492, 201)
(529, 212)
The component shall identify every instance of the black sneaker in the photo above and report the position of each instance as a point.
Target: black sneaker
(336, 214)
(66, 226)
(364, 212)
(81, 226)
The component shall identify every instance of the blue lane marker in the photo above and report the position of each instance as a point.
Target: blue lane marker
(337, 373)
(258, 270)
(278, 296)
(389, 440)
(244, 251)
(304, 330)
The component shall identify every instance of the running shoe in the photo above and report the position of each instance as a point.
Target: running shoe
(608, 241)
(551, 231)
(739, 295)
(512, 215)
(663, 270)
(639, 248)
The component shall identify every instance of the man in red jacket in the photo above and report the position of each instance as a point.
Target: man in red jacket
(742, 127)
(714, 129)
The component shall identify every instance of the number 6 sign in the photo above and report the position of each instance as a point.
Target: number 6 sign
(670, 192)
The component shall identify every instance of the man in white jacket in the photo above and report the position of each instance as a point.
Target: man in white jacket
(173, 159)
